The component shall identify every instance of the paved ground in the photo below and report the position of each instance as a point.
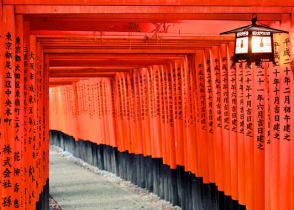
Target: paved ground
(74, 187)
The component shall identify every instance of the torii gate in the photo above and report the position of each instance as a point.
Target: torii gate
(52, 43)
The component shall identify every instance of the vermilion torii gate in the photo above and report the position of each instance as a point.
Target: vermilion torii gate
(168, 96)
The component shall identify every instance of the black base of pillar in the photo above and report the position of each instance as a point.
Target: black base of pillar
(177, 186)
(43, 203)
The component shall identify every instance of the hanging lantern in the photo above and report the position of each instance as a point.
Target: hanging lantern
(254, 43)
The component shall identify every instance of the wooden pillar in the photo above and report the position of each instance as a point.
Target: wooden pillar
(292, 109)
(19, 108)
(23, 118)
(10, 199)
(286, 79)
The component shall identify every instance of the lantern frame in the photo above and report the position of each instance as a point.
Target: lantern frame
(249, 31)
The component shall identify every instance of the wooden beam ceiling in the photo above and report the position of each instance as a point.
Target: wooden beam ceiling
(81, 75)
(126, 51)
(98, 68)
(94, 19)
(158, 2)
(111, 56)
(63, 9)
(85, 39)
(98, 64)
(86, 56)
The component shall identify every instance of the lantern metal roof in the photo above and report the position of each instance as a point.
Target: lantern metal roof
(254, 27)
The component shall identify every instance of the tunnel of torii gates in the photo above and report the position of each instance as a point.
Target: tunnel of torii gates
(148, 91)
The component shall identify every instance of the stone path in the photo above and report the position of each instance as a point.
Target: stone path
(75, 187)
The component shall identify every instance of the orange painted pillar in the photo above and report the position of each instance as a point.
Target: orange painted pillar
(7, 108)
(225, 118)
(233, 123)
(171, 118)
(209, 115)
(203, 142)
(241, 133)
(286, 79)
(19, 112)
(259, 134)
(216, 85)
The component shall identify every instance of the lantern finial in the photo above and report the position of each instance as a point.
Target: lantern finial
(254, 19)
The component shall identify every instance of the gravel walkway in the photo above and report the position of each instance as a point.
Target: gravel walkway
(76, 185)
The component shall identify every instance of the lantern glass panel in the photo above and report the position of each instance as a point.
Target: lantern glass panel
(261, 44)
(241, 45)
